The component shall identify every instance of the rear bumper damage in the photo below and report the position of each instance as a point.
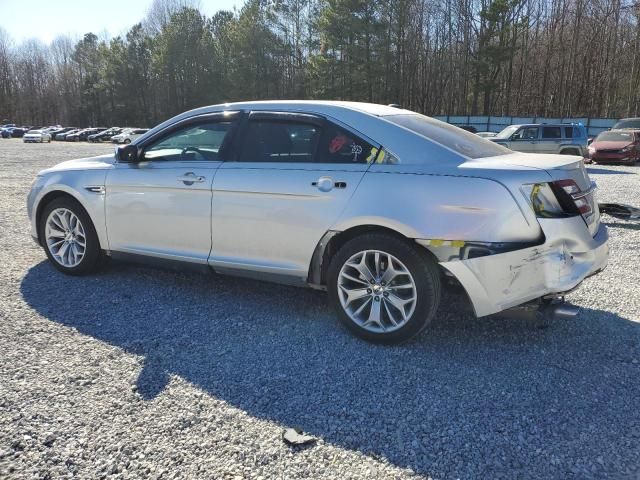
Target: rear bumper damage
(569, 255)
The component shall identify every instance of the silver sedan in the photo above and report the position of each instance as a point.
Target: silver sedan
(377, 205)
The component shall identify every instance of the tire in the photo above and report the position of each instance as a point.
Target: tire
(127, 141)
(92, 256)
(422, 272)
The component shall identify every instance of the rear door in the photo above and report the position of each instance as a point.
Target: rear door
(292, 176)
(551, 139)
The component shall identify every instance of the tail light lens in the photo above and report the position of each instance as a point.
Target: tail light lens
(543, 200)
(562, 198)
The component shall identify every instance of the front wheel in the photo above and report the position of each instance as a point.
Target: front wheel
(383, 289)
(69, 237)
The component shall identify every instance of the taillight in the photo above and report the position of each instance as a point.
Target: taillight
(580, 198)
(568, 186)
(561, 198)
(543, 200)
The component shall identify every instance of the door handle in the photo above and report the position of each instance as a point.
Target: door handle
(190, 178)
(326, 184)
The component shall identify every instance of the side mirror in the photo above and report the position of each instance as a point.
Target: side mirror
(127, 154)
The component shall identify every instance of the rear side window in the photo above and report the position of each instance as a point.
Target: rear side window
(274, 140)
(551, 132)
(279, 141)
(465, 143)
(338, 145)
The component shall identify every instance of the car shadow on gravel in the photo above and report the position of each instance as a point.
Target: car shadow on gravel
(630, 225)
(471, 398)
(608, 171)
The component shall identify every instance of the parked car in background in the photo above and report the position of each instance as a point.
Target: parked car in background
(73, 136)
(5, 131)
(375, 204)
(63, 135)
(486, 134)
(621, 146)
(36, 136)
(84, 135)
(18, 132)
(627, 123)
(562, 138)
(60, 131)
(468, 128)
(105, 135)
(128, 135)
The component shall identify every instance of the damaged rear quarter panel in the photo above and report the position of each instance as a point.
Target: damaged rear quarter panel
(569, 254)
(438, 206)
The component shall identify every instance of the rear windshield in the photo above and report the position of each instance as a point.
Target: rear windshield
(615, 137)
(458, 140)
(629, 123)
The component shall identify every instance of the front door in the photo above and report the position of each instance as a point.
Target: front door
(292, 177)
(525, 140)
(161, 206)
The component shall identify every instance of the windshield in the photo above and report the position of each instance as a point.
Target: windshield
(628, 123)
(457, 139)
(507, 132)
(615, 137)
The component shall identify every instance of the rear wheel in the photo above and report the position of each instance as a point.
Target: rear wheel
(383, 289)
(126, 140)
(69, 237)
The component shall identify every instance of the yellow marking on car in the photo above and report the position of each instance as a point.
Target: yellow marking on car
(436, 242)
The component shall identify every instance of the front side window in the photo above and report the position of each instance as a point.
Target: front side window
(551, 132)
(506, 132)
(200, 142)
(526, 133)
(569, 132)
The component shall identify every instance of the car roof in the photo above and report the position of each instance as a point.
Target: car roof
(545, 125)
(312, 106)
(319, 105)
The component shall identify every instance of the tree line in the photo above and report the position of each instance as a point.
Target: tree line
(561, 58)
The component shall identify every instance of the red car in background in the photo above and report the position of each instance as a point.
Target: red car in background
(619, 146)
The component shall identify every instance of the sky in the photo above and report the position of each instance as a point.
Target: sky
(46, 19)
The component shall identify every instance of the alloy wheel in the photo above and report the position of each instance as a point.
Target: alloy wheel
(65, 237)
(377, 291)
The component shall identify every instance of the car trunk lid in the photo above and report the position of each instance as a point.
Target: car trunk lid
(558, 167)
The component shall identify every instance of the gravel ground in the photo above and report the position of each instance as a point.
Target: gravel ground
(143, 373)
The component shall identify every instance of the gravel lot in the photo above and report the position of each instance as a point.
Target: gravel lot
(138, 372)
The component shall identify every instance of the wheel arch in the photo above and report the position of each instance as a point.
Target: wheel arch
(51, 196)
(570, 150)
(333, 240)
